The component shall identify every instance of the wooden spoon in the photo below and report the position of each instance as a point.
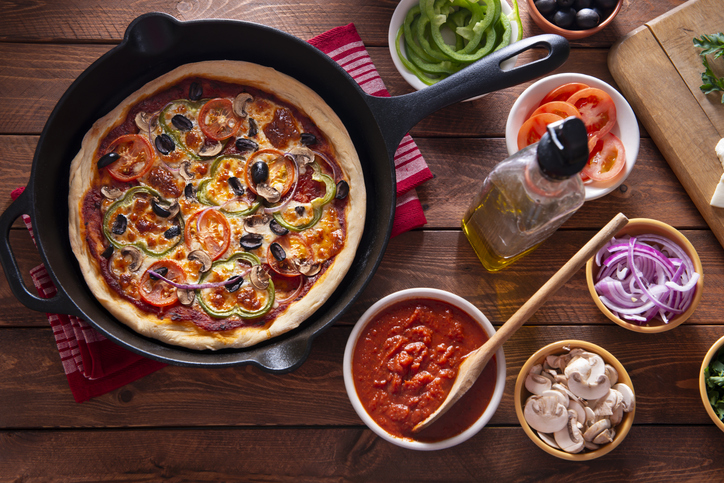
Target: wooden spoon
(475, 362)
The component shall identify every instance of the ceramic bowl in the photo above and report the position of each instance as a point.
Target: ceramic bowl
(417, 294)
(552, 28)
(522, 394)
(718, 345)
(642, 226)
(398, 17)
(626, 128)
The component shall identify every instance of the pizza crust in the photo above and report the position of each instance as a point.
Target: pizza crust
(186, 334)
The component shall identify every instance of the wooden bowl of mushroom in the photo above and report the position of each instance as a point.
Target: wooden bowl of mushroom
(574, 400)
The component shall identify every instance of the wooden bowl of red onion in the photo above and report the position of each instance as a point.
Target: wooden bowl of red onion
(666, 286)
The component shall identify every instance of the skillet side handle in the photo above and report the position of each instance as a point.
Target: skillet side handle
(60, 303)
(397, 115)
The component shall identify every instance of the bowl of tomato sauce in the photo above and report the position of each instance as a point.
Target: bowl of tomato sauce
(401, 360)
(613, 131)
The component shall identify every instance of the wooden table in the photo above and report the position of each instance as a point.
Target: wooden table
(242, 423)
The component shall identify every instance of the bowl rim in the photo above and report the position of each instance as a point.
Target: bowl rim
(621, 430)
(630, 137)
(675, 236)
(545, 25)
(396, 21)
(716, 347)
(433, 294)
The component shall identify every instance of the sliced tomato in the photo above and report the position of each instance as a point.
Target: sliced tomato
(562, 93)
(598, 112)
(135, 157)
(282, 170)
(559, 108)
(211, 230)
(158, 292)
(217, 119)
(606, 160)
(533, 129)
(294, 247)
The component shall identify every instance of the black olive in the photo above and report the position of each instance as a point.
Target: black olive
(308, 139)
(172, 232)
(278, 251)
(108, 159)
(300, 210)
(251, 241)
(342, 190)
(164, 144)
(244, 144)
(277, 229)
(236, 282)
(195, 91)
(163, 271)
(587, 18)
(565, 3)
(182, 122)
(259, 172)
(190, 192)
(107, 252)
(119, 225)
(236, 186)
(253, 128)
(159, 209)
(564, 18)
(545, 6)
(579, 4)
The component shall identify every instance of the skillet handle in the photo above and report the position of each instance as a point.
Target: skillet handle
(60, 303)
(397, 115)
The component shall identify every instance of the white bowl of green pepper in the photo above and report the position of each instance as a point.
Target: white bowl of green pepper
(439, 52)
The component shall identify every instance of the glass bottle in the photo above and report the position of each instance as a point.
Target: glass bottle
(528, 196)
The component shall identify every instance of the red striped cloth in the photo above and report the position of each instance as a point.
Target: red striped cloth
(344, 45)
(94, 365)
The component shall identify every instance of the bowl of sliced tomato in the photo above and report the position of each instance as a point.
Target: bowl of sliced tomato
(611, 125)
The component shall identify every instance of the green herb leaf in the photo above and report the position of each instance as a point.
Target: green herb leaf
(711, 45)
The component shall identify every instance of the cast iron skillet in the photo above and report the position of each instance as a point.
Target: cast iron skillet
(155, 44)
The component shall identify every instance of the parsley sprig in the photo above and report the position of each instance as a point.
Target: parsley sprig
(714, 377)
(712, 45)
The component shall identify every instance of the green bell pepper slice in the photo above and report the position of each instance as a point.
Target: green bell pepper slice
(206, 199)
(141, 244)
(317, 203)
(236, 310)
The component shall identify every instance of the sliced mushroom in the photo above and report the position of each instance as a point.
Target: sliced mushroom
(307, 268)
(111, 193)
(185, 171)
(536, 369)
(135, 255)
(575, 405)
(612, 374)
(270, 194)
(208, 150)
(569, 438)
(143, 121)
(240, 103)
(605, 406)
(548, 439)
(201, 257)
(537, 384)
(302, 155)
(545, 414)
(588, 389)
(627, 396)
(257, 223)
(596, 428)
(259, 278)
(185, 296)
(604, 437)
(563, 399)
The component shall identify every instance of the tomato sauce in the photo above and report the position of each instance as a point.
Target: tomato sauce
(405, 363)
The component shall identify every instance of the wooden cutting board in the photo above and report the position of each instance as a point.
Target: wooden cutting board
(658, 70)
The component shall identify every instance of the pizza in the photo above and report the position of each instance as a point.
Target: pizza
(216, 207)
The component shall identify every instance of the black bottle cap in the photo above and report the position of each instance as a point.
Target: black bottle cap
(563, 149)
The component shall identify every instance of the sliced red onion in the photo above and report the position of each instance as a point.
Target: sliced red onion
(659, 276)
(197, 286)
(295, 293)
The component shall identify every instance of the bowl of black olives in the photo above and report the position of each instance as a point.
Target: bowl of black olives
(573, 19)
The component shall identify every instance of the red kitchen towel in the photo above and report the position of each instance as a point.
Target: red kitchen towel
(344, 45)
(93, 364)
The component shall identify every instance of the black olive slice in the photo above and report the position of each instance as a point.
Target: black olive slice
(251, 241)
(182, 123)
(172, 232)
(190, 192)
(277, 229)
(107, 252)
(119, 225)
(300, 210)
(236, 186)
(244, 145)
(342, 190)
(278, 251)
(238, 280)
(159, 209)
(195, 91)
(163, 271)
(164, 144)
(108, 159)
(259, 172)
(253, 128)
(308, 139)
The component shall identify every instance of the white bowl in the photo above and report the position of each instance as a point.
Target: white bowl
(626, 128)
(398, 18)
(434, 294)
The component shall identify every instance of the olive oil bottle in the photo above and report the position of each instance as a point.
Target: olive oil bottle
(528, 196)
